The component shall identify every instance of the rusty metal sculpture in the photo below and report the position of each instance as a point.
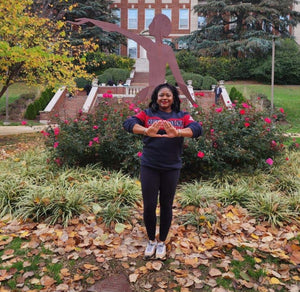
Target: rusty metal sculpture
(158, 53)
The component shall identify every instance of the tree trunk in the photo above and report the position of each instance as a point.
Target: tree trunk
(13, 72)
(4, 88)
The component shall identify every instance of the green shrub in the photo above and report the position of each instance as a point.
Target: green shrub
(236, 96)
(98, 138)
(114, 74)
(208, 81)
(171, 80)
(287, 62)
(258, 193)
(198, 220)
(82, 82)
(39, 104)
(233, 92)
(104, 78)
(187, 61)
(196, 78)
(30, 112)
(233, 195)
(98, 62)
(238, 138)
(219, 68)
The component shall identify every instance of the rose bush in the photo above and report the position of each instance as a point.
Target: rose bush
(240, 138)
(236, 138)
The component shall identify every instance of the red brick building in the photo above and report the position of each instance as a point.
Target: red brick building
(136, 15)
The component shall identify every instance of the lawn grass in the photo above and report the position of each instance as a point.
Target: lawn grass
(14, 92)
(285, 96)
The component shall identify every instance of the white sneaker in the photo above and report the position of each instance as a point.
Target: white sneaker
(161, 251)
(150, 249)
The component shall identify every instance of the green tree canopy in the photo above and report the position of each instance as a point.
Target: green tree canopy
(87, 36)
(287, 64)
(241, 28)
(32, 49)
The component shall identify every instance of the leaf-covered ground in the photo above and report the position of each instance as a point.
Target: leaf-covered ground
(236, 253)
(11, 145)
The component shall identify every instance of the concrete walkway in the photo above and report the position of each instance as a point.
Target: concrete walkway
(15, 130)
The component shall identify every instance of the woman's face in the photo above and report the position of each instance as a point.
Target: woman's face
(165, 99)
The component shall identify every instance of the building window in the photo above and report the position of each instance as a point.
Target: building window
(132, 18)
(132, 49)
(149, 15)
(117, 13)
(201, 22)
(167, 12)
(183, 18)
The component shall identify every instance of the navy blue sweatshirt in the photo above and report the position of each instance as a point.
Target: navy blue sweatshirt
(163, 153)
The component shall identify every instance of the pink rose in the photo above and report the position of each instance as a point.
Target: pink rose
(270, 161)
(268, 120)
(200, 154)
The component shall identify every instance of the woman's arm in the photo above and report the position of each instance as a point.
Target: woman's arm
(139, 129)
(186, 132)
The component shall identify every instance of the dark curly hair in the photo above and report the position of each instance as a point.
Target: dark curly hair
(176, 104)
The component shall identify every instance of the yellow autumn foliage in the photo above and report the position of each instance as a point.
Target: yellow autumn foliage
(33, 49)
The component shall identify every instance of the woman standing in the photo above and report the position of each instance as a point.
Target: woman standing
(164, 127)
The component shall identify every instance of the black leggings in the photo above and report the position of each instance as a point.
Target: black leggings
(162, 182)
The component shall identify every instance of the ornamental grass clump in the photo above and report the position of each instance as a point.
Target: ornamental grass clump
(198, 219)
(67, 204)
(34, 203)
(120, 188)
(294, 203)
(286, 183)
(233, 195)
(11, 188)
(271, 207)
(33, 189)
(197, 194)
(114, 213)
(52, 204)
